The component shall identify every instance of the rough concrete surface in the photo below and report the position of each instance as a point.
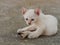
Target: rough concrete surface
(11, 20)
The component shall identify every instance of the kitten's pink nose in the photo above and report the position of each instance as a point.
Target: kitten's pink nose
(29, 23)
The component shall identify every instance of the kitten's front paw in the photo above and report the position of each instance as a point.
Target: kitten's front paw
(33, 35)
(19, 30)
(23, 34)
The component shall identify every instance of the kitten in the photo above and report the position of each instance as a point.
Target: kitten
(44, 24)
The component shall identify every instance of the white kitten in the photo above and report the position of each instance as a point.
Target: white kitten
(44, 24)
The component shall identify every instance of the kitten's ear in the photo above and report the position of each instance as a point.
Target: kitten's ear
(37, 11)
(23, 10)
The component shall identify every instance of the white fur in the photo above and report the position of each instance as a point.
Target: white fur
(44, 24)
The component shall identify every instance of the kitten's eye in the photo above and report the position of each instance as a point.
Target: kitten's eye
(32, 19)
(26, 18)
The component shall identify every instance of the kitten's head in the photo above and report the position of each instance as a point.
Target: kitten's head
(30, 15)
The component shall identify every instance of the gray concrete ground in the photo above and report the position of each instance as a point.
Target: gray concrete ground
(11, 20)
